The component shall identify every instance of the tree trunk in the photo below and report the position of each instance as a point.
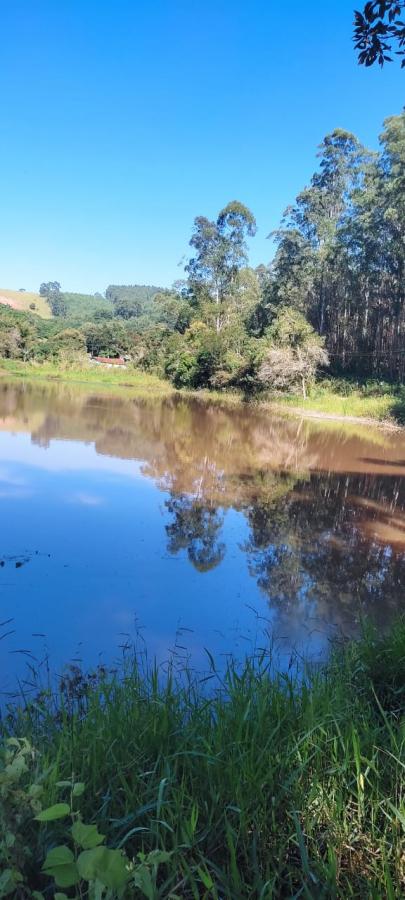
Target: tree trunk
(218, 322)
(322, 302)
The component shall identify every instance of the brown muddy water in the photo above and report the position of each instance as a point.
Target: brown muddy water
(182, 524)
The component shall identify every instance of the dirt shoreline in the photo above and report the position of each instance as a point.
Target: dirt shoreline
(384, 424)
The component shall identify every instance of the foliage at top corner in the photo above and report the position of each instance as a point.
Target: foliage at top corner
(377, 30)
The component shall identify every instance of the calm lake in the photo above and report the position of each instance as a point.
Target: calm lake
(182, 524)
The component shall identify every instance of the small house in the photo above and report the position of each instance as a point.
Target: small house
(109, 361)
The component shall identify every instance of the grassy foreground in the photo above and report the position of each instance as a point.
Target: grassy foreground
(137, 784)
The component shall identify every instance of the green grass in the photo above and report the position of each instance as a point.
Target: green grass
(382, 402)
(131, 379)
(256, 786)
(23, 299)
(141, 382)
(335, 404)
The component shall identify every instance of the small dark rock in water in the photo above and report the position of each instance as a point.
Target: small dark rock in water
(2, 563)
(19, 564)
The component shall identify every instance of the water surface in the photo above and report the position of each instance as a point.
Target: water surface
(185, 525)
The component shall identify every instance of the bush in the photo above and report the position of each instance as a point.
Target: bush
(193, 358)
(293, 354)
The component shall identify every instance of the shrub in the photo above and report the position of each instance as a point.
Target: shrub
(294, 352)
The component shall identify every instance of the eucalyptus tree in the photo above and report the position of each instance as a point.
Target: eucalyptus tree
(304, 261)
(220, 252)
(51, 290)
(340, 252)
(373, 245)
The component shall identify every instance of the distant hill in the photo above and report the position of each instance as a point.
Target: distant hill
(25, 301)
(85, 306)
(142, 292)
(82, 307)
(137, 296)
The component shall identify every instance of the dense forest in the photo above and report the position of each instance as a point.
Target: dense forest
(333, 295)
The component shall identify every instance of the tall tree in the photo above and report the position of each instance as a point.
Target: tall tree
(307, 237)
(340, 253)
(221, 250)
(51, 290)
(372, 244)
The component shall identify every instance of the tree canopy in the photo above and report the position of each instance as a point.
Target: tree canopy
(221, 250)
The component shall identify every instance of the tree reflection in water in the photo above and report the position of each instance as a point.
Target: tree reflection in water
(324, 506)
(312, 559)
(307, 547)
(195, 528)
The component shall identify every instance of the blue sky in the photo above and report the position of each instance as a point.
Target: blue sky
(121, 121)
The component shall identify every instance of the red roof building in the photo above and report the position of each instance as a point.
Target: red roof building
(109, 361)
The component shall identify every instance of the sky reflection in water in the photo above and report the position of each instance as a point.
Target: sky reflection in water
(197, 524)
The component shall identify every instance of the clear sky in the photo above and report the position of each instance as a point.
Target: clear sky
(121, 120)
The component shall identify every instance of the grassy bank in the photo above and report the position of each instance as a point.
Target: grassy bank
(141, 382)
(376, 401)
(127, 382)
(263, 787)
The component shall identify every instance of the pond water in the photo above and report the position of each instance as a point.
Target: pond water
(182, 524)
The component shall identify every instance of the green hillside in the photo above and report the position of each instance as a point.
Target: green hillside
(85, 306)
(121, 300)
(133, 299)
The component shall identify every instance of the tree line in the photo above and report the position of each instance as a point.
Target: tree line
(333, 294)
(341, 252)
